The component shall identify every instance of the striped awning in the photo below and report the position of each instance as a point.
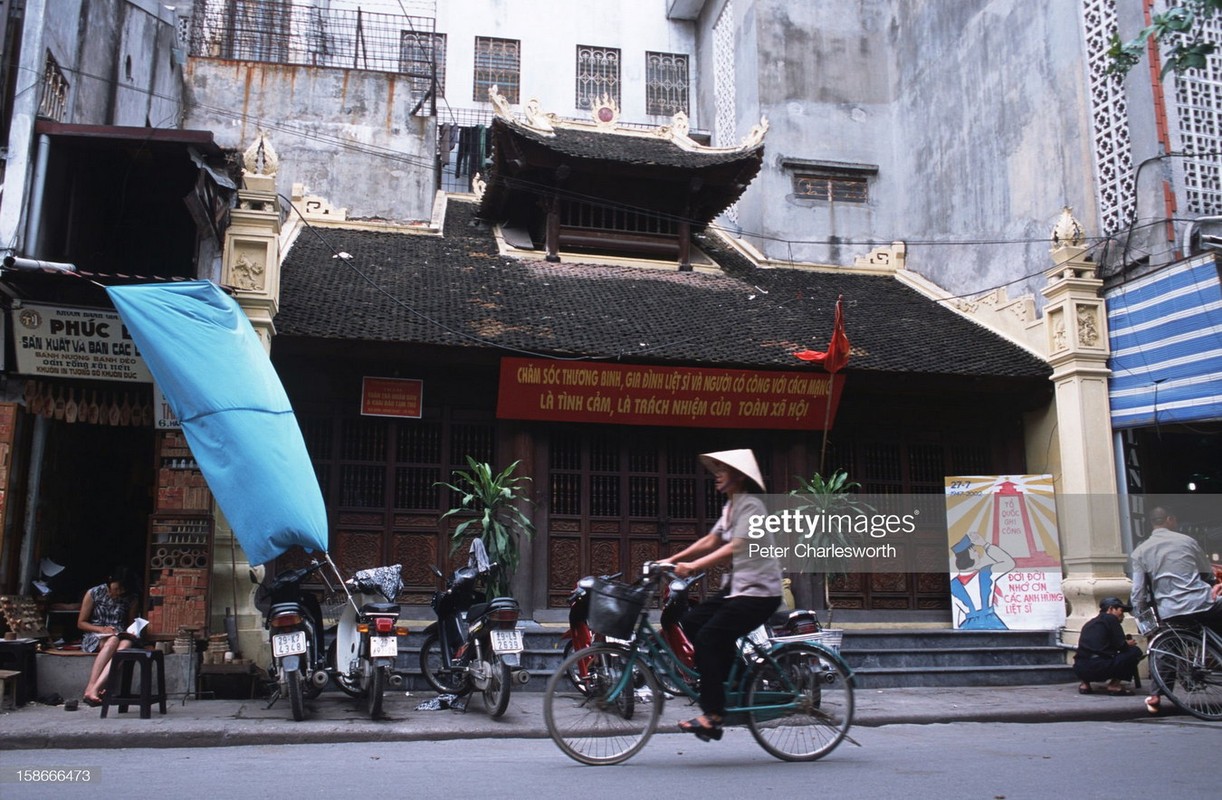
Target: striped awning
(1166, 343)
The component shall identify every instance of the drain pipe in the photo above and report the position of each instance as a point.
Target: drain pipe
(38, 192)
(16, 262)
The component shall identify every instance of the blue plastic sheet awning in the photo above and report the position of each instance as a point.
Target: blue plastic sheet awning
(216, 376)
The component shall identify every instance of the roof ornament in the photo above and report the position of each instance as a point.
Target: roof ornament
(605, 112)
(499, 104)
(536, 119)
(755, 136)
(260, 158)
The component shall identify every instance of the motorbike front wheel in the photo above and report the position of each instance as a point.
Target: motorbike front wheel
(444, 681)
(496, 691)
(377, 687)
(293, 680)
(346, 685)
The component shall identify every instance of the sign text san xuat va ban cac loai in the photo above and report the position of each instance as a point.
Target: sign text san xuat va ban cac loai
(649, 395)
(88, 343)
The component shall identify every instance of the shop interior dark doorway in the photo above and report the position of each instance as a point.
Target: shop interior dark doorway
(94, 502)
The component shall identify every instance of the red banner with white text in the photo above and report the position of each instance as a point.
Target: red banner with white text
(637, 394)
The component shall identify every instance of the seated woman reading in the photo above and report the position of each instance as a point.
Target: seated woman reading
(106, 611)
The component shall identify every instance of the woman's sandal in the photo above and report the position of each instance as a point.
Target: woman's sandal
(1085, 688)
(704, 733)
(1120, 692)
(1153, 703)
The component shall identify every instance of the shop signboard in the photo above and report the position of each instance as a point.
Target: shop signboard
(69, 342)
(640, 394)
(1005, 553)
(392, 397)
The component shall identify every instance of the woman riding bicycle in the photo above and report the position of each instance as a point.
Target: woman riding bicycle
(749, 594)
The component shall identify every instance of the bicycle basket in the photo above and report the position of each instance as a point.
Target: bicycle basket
(615, 608)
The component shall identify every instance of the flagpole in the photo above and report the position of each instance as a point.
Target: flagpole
(831, 385)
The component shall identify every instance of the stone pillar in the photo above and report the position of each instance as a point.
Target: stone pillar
(251, 269)
(1087, 516)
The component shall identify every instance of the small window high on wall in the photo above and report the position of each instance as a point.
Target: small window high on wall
(497, 63)
(831, 182)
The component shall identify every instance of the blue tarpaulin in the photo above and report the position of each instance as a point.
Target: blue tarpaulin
(217, 378)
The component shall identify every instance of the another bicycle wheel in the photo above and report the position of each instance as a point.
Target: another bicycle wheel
(813, 694)
(1187, 672)
(611, 715)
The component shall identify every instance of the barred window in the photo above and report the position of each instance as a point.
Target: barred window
(834, 188)
(54, 102)
(420, 54)
(598, 75)
(666, 82)
(498, 62)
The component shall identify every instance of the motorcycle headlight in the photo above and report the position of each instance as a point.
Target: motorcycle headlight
(678, 585)
(586, 583)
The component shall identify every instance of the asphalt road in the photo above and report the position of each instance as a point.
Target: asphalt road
(1172, 757)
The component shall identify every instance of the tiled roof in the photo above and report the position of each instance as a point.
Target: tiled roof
(458, 290)
(629, 149)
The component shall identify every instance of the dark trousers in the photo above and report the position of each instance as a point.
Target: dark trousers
(1120, 667)
(714, 627)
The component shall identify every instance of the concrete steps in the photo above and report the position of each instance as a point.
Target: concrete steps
(879, 658)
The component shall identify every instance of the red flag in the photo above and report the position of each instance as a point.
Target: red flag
(837, 354)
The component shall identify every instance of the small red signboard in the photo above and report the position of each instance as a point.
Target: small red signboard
(392, 397)
(639, 394)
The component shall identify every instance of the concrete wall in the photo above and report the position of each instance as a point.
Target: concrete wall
(346, 134)
(975, 113)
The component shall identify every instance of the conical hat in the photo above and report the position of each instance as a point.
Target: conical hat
(741, 460)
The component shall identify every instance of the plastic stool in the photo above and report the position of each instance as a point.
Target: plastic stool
(119, 688)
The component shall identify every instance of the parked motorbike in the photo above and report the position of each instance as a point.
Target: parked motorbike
(475, 643)
(362, 657)
(293, 619)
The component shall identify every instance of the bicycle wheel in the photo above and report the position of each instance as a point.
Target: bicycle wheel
(817, 690)
(608, 719)
(1187, 673)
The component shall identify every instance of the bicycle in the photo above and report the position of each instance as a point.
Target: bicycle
(1186, 664)
(795, 697)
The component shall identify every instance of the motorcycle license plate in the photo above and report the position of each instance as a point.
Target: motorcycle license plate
(506, 641)
(288, 644)
(383, 647)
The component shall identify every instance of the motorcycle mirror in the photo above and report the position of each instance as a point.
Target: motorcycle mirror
(436, 571)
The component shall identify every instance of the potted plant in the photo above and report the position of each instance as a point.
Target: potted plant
(830, 495)
(494, 498)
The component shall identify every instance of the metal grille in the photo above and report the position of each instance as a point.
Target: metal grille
(420, 55)
(1109, 112)
(833, 188)
(598, 75)
(280, 32)
(666, 83)
(497, 63)
(54, 102)
(724, 124)
(1198, 99)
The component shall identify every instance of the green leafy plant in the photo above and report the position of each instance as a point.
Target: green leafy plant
(1180, 30)
(829, 496)
(494, 499)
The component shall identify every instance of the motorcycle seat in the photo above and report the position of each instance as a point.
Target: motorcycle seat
(380, 608)
(496, 604)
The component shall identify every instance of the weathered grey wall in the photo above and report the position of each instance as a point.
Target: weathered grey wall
(975, 112)
(345, 134)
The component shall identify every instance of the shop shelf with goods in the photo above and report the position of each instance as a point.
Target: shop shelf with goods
(180, 539)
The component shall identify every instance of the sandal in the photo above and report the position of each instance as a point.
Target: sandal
(1120, 692)
(704, 733)
(1153, 703)
(89, 701)
(1085, 688)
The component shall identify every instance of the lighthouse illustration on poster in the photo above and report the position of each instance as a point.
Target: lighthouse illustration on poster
(1005, 553)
